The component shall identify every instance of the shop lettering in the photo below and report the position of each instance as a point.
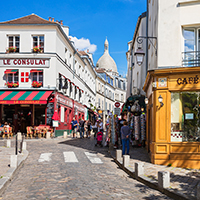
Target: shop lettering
(189, 80)
(23, 62)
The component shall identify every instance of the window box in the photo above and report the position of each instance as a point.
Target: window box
(37, 49)
(11, 49)
(36, 84)
(12, 85)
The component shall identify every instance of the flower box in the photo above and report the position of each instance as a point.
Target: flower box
(12, 85)
(37, 49)
(36, 84)
(11, 49)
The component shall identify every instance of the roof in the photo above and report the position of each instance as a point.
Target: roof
(30, 19)
(82, 53)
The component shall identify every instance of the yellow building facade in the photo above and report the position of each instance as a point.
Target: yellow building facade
(173, 125)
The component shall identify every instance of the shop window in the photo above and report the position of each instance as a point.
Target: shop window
(185, 116)
(38, 42)
(13, 42)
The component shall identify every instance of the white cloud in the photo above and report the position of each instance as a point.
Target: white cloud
(83, 44)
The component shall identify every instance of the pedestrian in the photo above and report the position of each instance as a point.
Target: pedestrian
(81, 127)
(95, 129)
(120, 124)
(88, 128)
(100, 126)
(74, 124)
(125, 133)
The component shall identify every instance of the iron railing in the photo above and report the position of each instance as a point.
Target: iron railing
(191, 59)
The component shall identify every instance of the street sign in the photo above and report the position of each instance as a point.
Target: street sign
(117, 104)
(117, 111)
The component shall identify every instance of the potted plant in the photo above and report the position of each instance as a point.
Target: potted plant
(36, 84)
(36, 49)
(12, 85)
(11, 49)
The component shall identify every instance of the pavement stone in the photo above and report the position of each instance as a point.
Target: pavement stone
(83, 180)
(183, 181)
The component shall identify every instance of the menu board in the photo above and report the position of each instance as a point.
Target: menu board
(50, 111)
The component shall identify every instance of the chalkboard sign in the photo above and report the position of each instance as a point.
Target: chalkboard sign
(50, 111)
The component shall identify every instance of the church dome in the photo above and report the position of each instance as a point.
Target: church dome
(106, 61)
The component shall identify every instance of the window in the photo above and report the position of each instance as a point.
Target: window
(122, 97)
(37, 76)
(111, 81)
(14, 41)
(191, 46)
(38, 41)
(12, 77)
(185, 124)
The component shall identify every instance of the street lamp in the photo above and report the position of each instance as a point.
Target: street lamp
(140, 53)
(146, 100)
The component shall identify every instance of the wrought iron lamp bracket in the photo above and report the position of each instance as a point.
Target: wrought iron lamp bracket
(141, 38)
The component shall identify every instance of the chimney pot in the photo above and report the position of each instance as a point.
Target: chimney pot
(61, 22)
(69, 39)
(49, 18)
(87, 50)
(52, 19)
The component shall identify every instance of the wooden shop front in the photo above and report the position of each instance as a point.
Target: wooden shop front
(173, 116)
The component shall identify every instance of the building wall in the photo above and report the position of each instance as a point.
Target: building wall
(172, 17)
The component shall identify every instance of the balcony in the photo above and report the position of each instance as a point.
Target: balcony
(191, 59)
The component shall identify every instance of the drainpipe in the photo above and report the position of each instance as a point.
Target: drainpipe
(131, 67)
(147, 30)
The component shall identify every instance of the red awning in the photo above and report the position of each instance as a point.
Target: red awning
(24, 97)
(10, 71)
(55, 116)
(36, 70)
(77, 87)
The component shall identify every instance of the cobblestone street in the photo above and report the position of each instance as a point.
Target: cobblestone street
(86, 173)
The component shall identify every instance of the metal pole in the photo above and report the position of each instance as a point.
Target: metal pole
(16, 145)
(147, 30)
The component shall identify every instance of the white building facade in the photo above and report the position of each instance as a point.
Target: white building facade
(42, 73)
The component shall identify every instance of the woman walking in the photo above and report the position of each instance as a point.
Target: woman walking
(125, 133)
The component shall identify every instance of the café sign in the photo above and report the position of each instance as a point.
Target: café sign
(24, 62)
(188, 80)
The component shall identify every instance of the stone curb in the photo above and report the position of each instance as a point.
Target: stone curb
(152, 183)
(4, 182)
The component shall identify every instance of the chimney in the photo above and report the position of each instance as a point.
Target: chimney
(61, 22)
(87, 50)
(49, 18)
(52, 19)
(76, 49)
(69, 39)
(57, 21)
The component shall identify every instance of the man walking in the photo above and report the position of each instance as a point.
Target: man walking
(81, 127)
(74, 126)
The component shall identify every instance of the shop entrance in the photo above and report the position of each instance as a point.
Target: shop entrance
(24, 117)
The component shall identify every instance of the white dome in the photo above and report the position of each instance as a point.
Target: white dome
(106, 61)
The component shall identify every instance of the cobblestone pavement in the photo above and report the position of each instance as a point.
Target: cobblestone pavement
(53, 178)
(184, 181)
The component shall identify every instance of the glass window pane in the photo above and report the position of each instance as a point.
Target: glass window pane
(34, 76)
(188, 34)
(185, 123)
(10, 78)
(16, 38)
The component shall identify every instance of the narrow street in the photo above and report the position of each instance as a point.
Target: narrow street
(73, 169)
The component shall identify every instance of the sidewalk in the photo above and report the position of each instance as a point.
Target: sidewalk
(183, 182)
(6, 172)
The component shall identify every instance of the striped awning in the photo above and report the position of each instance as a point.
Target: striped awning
(10, 71)
(35, 70)
(24, 97)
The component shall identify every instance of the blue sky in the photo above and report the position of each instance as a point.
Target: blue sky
(91, 20)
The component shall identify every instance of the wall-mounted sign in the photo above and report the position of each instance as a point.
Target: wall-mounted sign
(188, 80)
(189, 116)
(24, 62)
(162, 82)
(117, 104)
